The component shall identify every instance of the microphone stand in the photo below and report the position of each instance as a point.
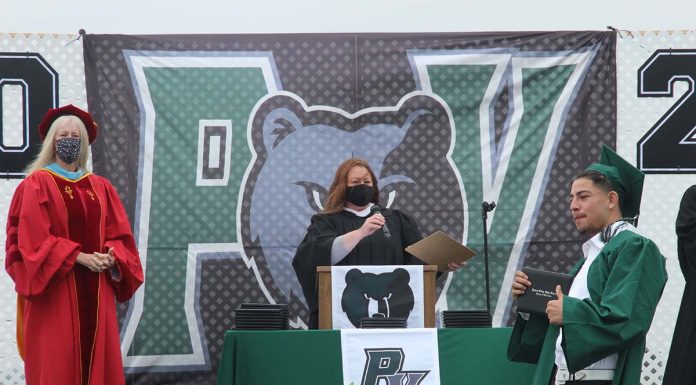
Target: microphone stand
(485, 208)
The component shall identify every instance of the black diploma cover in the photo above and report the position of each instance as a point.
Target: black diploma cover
(542, 290)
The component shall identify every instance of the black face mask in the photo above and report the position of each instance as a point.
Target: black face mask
(68, 149)
(359, 195)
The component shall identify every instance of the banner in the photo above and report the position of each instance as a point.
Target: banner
(384, 356)
(223, 147)
(655, 103)
(376, 291)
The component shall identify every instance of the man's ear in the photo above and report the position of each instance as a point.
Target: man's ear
(613, 200)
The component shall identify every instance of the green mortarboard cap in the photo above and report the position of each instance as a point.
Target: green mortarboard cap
(626, 179)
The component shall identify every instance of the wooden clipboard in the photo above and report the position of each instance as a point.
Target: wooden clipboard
(439, 249)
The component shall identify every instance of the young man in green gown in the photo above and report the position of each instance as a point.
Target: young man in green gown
(595, 335)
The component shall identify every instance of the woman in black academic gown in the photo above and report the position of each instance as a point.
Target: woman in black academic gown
(350, 231)
(681, 368)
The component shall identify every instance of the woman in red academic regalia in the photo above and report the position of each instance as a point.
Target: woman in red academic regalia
(71, 254)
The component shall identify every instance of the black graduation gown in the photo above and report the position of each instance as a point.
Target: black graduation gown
(376, 249)
(681, 364)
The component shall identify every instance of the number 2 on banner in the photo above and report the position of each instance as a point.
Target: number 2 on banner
(668, 147)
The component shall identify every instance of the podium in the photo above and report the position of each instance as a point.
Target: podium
(324, 278)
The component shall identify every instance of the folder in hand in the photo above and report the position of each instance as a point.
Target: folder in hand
(439, 249)
(543, 289)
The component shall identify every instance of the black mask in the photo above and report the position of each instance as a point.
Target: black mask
(68, 149)
(359, 195)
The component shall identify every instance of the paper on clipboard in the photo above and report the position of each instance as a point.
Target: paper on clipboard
(439, 249)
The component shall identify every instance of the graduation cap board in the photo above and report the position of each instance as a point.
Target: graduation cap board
(439, 249)
(625, 178)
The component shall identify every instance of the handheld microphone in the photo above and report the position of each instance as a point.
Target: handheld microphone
(376, 210)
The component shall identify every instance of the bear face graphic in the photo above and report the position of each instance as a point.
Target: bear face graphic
(297, 150)
(377, 295)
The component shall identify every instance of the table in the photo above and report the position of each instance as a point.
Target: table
(288, 357)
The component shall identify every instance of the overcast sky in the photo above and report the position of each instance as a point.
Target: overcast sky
(272, 16)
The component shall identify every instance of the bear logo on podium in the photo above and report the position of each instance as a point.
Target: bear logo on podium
(377, 295)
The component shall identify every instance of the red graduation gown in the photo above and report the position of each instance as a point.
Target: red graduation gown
(70, 328)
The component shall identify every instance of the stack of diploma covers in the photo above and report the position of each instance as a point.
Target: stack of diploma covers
(261, 316)
(382, 322)
(466, 319)
(439, 249)
(543, 290)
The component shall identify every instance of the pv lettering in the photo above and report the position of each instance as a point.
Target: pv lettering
(386, 364)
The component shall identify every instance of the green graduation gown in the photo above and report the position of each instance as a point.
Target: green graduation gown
(625, 282)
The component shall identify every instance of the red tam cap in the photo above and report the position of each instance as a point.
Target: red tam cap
(55, 113)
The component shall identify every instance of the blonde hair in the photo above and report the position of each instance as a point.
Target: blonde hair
(47, 154)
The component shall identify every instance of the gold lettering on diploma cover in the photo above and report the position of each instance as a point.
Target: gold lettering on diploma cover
(69, 191)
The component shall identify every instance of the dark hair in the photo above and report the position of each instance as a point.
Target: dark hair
(599, 180)
(337, 192)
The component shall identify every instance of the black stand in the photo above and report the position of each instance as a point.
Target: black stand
(485, 208)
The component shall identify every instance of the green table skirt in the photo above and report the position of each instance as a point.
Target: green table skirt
(467, 356)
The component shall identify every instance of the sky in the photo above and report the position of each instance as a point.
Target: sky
(303, 16)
